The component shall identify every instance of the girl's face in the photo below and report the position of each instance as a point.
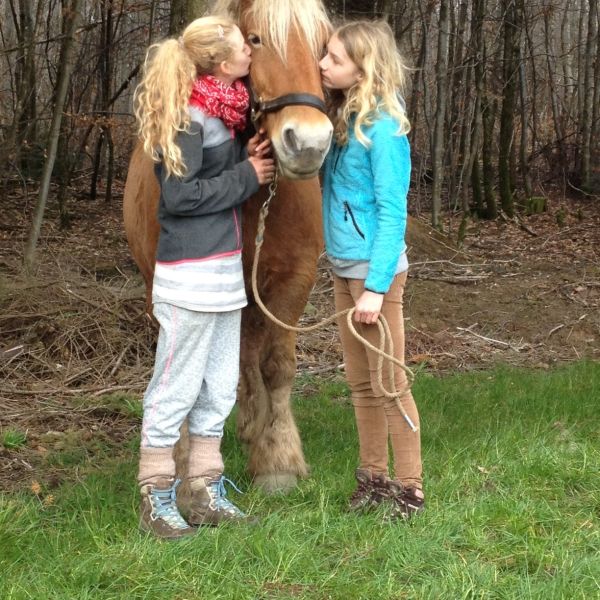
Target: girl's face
(238, 64)
(338, 71)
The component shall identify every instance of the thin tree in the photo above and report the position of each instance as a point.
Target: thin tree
(588, 93)
(523, 96)
(437, 144)
(510, 73)
(183, 12)
(23, 133)
(559, 131)
(66, 69)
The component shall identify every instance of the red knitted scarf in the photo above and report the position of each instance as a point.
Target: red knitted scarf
(217, 99)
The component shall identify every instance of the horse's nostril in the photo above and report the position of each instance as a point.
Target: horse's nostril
(290, 140)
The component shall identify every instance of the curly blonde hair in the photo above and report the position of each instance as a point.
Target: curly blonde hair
(372, 48)
(161, 98)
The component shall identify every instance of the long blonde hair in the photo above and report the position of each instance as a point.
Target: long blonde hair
(372, 48)
(161, 98)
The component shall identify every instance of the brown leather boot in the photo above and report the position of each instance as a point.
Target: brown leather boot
(159, 514)
(405, 502)
(210, 506)
(370, 490)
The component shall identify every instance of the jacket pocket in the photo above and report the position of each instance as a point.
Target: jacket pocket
(348, 211)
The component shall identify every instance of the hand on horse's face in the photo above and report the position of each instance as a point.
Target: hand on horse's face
(258, 145)
(264, 167)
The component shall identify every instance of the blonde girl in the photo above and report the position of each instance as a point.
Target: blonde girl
(191, 107)
(365, 186)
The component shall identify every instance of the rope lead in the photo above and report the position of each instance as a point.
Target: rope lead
(385, 336)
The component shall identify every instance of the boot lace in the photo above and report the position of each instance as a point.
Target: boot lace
(164, 506)
(219, 500)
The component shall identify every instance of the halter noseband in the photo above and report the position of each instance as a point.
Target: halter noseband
(260, 107)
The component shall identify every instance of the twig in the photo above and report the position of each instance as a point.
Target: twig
(456, 280)
(118, 361)
(96, 305)
(555, 329)
(487, 339)
(94, 391)
(310, 371)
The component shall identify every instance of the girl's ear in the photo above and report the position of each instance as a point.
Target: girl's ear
(223, 68)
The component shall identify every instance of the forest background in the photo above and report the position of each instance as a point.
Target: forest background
(503, 95)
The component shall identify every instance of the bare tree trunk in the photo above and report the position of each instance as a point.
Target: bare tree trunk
(458, 114)
(530, 53)
(184, 12)
(23, 137)
(472, 135)
(437, 147)
(489, 117)
(511, 49)
(151, 21)
(388, 12)
(577, 166)
(558, 129)
(523, 149)
(419, 101)
(479, 75)
(594, 131)
(588, 94)
(419, 88)
(105, 74)
(61, 93)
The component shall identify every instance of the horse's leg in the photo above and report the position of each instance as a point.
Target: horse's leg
(287, 270)
(265, 419)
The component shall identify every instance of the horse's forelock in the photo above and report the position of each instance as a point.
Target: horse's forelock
(274, 20)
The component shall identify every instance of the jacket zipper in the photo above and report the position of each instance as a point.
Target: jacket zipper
(237, 229)
(348, 211)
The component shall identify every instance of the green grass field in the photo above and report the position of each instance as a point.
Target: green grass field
(512, 467)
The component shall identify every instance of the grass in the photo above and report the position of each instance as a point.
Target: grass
(13, 438)
(512, 460)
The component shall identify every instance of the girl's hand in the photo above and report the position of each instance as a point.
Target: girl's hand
(258, 145)
(264, 167)
(368, 307)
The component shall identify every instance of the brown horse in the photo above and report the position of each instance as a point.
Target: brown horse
(286, 39)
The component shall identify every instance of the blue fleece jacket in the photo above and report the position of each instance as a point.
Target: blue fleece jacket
(364, 200)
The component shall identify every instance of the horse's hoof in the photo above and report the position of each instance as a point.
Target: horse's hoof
(276, 483)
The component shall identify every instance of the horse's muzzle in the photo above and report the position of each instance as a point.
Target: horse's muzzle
(301, 150)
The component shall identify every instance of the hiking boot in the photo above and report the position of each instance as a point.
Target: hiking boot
(405, 502)
(210, 505)
(159, 513)
(370, 491)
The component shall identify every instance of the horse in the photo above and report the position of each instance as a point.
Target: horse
(286, 39)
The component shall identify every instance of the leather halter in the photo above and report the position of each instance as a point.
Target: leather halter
(260, 107)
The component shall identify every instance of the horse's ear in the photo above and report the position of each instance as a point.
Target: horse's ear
(245, 5)
(224, 7)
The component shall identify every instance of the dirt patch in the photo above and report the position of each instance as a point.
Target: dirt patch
(74, 338)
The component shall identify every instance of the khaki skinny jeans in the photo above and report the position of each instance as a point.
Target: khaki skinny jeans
(377, 417)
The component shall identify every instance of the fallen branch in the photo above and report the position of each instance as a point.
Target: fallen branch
(98, 306)
(554, 329)
(491, 340)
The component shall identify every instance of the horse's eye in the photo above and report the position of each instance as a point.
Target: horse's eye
(254, 40)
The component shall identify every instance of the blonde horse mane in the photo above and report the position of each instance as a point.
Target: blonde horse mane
(275, 18)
